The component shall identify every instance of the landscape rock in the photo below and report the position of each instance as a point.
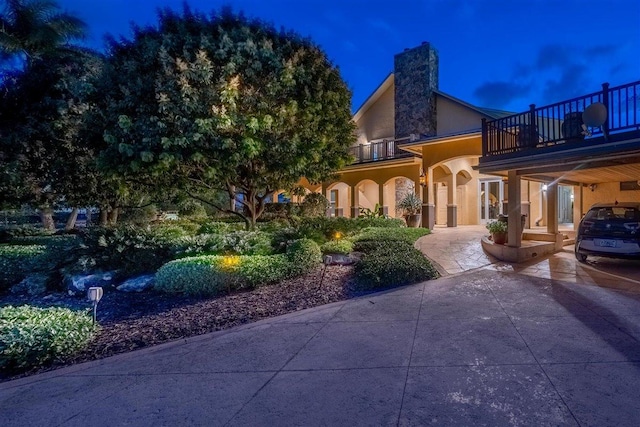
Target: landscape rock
(138, 284)
(35, 284)
(78, 285)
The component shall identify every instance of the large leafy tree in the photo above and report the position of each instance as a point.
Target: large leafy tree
(30, 29)
(224, 103)
(44, 158)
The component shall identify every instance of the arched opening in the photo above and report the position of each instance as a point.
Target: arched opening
(338, 195)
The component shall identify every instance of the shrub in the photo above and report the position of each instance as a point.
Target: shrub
(247, 243)
(369, 246)
(209, 244)
(363, 223)
(282, 211)
(342, 246)
(193, 209)
(409, 235)
(283, 237)
(214, 274)
(17, 261)
(8, 234)
(32, 336)
(303, 255)
(168, 232)
(314, 205)
(394, 264)
(321, 229)
(140, 216)
(219, 227)
(211, 275)
(129, 248)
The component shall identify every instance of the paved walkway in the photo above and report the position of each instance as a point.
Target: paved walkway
(497, 345)
(458, 249)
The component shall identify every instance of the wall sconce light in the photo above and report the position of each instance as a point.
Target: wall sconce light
(423, 178)
(593, 187)
(544, 187)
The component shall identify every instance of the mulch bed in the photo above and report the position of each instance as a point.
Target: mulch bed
(130, 321)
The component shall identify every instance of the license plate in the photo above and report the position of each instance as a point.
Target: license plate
(606, 243)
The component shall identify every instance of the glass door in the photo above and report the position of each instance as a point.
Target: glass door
(491, 194)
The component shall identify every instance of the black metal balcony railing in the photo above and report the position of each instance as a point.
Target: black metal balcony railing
(561, 123)
(383, 150)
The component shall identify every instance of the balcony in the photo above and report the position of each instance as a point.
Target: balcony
(612, 118)
(376, 151)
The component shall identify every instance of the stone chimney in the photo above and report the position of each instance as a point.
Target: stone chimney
(416, 76)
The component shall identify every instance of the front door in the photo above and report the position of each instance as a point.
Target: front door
(491, 194)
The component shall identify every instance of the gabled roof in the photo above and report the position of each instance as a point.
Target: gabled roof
(389, 80)
(382, 87)
(490, 112)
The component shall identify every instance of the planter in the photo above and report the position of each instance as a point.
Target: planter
(413, 220)
(499, 238)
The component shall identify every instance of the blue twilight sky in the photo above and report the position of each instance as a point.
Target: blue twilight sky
(502, 54)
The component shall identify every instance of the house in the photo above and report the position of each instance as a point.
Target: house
(467, 162)
(414, 137)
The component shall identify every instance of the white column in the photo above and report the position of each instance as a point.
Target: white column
(514, 197)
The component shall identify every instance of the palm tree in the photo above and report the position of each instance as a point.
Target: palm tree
(32, 28)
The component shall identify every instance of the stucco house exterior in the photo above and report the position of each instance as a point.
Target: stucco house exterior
(467, 162)
(411, 133)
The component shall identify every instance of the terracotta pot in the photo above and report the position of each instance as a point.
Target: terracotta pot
(499, 238)
(413, 220)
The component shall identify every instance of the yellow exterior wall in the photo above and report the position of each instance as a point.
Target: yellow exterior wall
(379, 120)
(608, 192)
(453, 117)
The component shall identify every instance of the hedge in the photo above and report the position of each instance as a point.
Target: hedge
(17, 261)
(409, 235)
(214, 274)
(394, 263)
(32, 336)
(342, 246)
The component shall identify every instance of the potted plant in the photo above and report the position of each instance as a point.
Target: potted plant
(410, 205)
(498, 230)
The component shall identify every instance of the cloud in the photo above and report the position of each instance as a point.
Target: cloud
(554, 55)
(554, 73)
(500, 94)
(572, 81)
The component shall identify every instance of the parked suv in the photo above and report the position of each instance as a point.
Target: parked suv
(611, 230)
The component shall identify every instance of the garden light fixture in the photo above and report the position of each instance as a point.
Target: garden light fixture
(94, 294)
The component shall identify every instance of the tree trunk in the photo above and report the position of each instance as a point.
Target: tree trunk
(104, 216)
(46, 216)
(113, 216)
(71, 221)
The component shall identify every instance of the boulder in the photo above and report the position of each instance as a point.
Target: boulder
(78, 285)
(34, 284)
(138, 284)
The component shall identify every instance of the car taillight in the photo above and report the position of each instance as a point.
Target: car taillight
(587, 224)
(632, 226)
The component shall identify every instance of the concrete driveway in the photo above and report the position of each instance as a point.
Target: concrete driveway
(484, 347)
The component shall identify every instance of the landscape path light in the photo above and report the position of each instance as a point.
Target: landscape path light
(94, 294)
